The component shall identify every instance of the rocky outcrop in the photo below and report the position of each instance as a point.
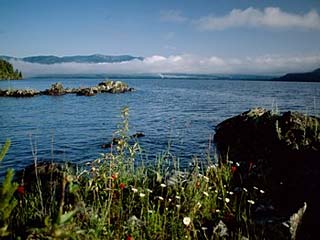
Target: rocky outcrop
(278, 153)
(57, 89)
(19, 93)
(116, 141)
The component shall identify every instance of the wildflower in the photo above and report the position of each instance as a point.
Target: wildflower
(163, 185)
(204, 228)
(178, 197)
(251, 201)
(134, 190)
(244, 189)
(114, 176)
(238, 164)
(206, 194)
(69, 178)
(161, 198)
(206, 178)
(20, 189)
(129, 238)
(261, 191)
(231, 193)
(186, 221)
(255, 188)
(178, 206)
(217, 210)
(148, 190)
(227, 200)
(233, 169)
(169, 199)
(142, 195)
(122, 186)
(93, 169)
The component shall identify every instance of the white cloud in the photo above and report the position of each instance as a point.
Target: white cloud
(268, 64)
(172, 16)
(271, 17)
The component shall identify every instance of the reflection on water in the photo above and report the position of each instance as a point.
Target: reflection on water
(180, 113)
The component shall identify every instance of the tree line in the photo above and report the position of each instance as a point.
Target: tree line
(8, 72)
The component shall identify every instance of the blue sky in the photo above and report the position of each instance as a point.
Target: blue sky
(218, 35)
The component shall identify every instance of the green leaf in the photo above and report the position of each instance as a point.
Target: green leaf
(66, 217)
(4, 149)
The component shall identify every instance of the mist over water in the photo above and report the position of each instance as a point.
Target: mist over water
(179, 113)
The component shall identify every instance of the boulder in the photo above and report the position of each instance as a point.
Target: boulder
(55, 90)
(86, 92)
(279, 153)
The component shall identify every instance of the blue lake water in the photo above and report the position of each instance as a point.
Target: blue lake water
(181, 113)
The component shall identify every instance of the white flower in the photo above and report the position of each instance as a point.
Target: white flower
(255, 188)
(206, 178)
(169, 199)
(206, 194)
(186, 221)
(148, 190)
(251, 201)
(142, 195)
(199, 205)
(230, 193)
(227, 200)
(161, 198)
(163, 185)
(178, 206)
(178, 197)
(204, 228)
(261, 191)
(134, 190)
(244, 189)
(217, 210)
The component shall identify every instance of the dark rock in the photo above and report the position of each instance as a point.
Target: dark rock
(18, 93)
(86, 92)
(138, 135)
(278, 153)
(55, 90)
(116, 141)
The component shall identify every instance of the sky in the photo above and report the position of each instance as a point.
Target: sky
(203, 36)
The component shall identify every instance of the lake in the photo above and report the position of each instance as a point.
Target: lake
(180, 113)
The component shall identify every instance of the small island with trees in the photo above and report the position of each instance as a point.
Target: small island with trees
(7, 72)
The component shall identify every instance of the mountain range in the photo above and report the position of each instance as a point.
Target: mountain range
(313, 76)
(95, 58)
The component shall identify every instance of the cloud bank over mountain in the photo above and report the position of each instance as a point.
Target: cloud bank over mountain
(267, 64)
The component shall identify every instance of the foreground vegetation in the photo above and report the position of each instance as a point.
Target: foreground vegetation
(8, 72)
(113, 198)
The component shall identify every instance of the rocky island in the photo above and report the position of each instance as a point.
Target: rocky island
(57, 89)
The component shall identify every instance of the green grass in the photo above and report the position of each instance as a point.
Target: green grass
(114, 198)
